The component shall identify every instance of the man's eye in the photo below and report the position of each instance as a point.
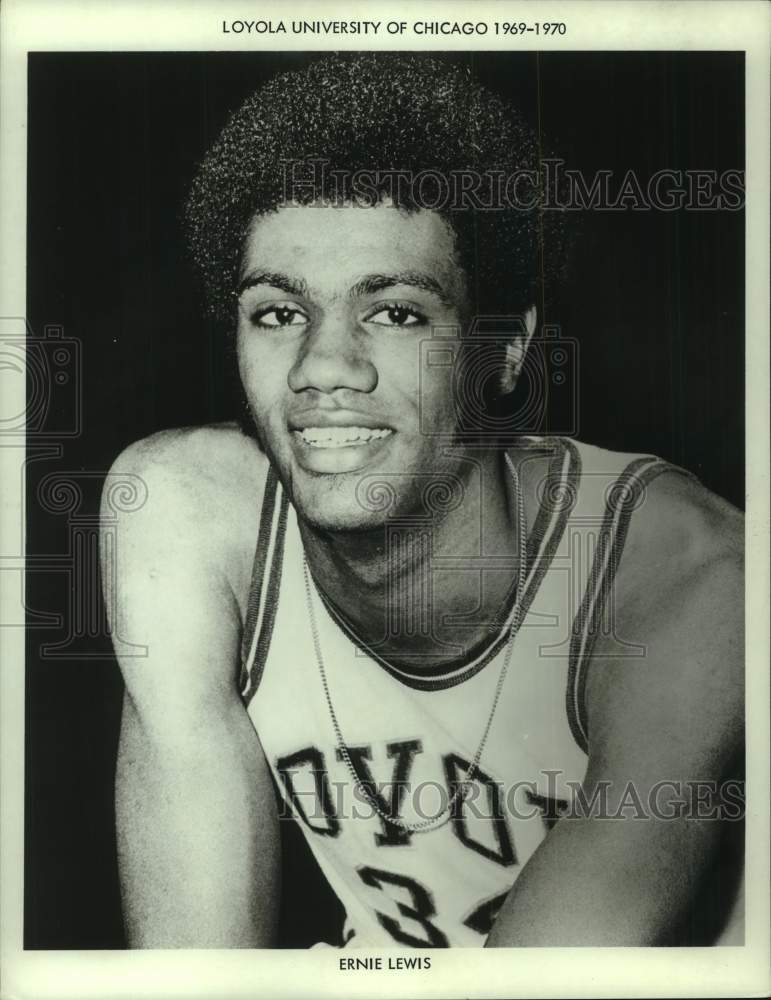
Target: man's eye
(279, 316)
(396, 315)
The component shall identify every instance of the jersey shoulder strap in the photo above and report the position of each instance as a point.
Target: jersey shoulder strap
(264, 586)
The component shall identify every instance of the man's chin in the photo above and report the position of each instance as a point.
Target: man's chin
(341, 504)
(325, 520)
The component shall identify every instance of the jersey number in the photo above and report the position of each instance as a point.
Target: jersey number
(418, 909)
(481, 918)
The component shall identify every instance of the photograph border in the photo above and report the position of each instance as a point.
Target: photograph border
(36, 25)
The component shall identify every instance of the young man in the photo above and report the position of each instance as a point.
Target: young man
(485, 673)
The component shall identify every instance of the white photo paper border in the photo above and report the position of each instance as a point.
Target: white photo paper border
(196, 25)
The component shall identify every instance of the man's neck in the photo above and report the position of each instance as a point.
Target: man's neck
(396, 586)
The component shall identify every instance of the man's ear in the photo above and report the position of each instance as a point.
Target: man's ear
(515, 352)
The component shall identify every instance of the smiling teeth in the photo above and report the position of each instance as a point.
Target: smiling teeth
(339, 437)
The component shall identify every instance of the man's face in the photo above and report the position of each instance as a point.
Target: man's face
(333, 305)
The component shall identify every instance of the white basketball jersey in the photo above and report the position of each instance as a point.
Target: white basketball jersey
(412, 734)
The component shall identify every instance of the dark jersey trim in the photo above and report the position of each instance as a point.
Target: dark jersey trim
(560, 495)
(258, 573)
(271, 601)
(623, 497)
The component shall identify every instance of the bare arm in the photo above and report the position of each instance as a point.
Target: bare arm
(196, 814)
(676, 715)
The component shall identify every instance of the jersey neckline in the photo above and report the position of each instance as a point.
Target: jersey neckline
(557, 500)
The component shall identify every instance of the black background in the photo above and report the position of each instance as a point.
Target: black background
(654, 299)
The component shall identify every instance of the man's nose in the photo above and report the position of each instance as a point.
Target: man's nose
(333, 356)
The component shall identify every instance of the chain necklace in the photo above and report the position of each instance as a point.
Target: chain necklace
(463, 788)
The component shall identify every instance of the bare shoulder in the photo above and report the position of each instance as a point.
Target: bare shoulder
(204, 486)
(680, 533)
(679, 601)
(196, 457)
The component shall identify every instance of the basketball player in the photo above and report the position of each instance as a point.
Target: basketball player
(427, 643)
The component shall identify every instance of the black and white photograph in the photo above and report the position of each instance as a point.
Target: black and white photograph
(383, 472)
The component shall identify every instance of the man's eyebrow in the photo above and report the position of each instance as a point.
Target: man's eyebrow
(372, 283)
(368, 285)
(292, 286)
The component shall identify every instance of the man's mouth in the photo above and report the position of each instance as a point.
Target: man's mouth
(341, 437)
